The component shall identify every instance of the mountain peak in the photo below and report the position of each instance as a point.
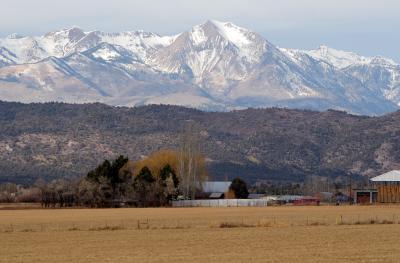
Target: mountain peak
(72, 28)
(73, 32)
(248, 44)
(218, 23)
(237, 35)
(210, 22)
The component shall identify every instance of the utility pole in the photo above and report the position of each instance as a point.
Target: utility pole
(350, 197)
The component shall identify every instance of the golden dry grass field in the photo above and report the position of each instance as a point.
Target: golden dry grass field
(270, 234)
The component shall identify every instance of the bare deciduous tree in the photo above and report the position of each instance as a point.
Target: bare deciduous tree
(191, 162)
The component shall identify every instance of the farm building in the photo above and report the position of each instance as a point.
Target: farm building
(388, 186)
(306, 200)
(215, 189)
(365, 196)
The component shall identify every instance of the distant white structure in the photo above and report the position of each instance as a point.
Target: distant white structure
(215, 187)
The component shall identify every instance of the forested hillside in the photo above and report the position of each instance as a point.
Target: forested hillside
(54, 140)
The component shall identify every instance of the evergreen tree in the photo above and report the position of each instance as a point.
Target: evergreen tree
(167, 172)
(144, 186)
(145, 176)
(107, 180)
(102, 170)
(114, 174)
(239, 187)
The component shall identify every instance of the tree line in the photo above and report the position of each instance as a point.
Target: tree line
(113, 184)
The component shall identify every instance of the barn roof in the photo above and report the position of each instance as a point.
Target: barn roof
(216, 195)
(392, 176)
(215, 187)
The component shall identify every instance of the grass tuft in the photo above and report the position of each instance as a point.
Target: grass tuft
(107, 228)
(234, 225)
(317, 224)
(27, 230)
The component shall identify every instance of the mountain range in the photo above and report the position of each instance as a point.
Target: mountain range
(215, 66)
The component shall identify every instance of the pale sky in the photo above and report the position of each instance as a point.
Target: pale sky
(368, 27)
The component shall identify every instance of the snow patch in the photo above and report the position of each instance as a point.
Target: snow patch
(106, 54)
(233, 33)
(242, 38)
(197, 35)
(343, 59)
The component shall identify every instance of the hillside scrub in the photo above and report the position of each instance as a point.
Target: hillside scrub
(54, 140)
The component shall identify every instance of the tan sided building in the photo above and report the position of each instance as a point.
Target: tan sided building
(388, 186)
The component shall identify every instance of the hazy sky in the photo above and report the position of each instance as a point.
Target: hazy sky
(369, 27)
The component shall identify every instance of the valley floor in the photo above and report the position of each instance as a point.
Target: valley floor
(271, 234)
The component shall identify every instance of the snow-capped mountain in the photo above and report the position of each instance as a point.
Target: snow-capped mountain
(68, 41)
(377, 74)
(212, 66)
(213, 55)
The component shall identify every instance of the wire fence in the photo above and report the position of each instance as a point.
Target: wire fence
(237, 221)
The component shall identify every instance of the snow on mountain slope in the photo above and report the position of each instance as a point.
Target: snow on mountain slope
(81, 78)
(376, 74)
(6, 57)
(212, 66)
(214, 55)
(33, 49)
(246, 41)
(49, 80)
(379, 75)
(308, 83)
(338, 58)
(342, 59)
(138, 42)
(106, 54)
(61, 43)
(67, 41)
(25, 49)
